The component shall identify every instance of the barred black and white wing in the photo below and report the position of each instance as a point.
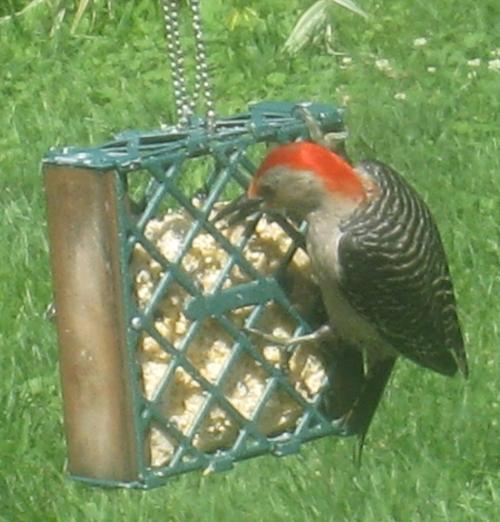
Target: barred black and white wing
(395, 274)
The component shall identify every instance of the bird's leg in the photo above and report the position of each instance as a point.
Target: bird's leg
(318, 335)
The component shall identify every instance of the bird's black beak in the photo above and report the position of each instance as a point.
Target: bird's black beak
(240, 209)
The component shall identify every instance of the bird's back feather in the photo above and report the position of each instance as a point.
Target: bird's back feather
(395, 274)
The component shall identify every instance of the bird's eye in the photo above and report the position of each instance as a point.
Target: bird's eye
(266, 191)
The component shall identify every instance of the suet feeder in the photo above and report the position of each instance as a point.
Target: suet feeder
(152, 298)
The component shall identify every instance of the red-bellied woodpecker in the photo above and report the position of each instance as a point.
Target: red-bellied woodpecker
(378, 259)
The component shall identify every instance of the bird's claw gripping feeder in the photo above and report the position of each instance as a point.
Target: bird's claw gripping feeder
(156, 300)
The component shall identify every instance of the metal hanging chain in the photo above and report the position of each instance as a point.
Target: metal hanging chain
(185, 106)
(202, 81)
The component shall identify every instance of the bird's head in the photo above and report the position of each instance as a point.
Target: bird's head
(299, 178)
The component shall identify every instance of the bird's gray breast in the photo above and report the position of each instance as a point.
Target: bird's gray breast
(323, 238)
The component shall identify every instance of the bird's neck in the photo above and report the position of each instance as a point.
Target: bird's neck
(332, 211)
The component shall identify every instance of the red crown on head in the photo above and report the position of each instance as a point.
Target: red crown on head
(338, 175)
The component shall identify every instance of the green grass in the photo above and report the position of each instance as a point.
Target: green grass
(434, 449)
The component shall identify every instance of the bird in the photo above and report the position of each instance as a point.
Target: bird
(379, 261)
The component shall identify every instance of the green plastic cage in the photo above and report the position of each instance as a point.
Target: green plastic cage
(159, 375)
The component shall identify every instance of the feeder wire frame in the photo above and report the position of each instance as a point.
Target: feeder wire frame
(162, 154)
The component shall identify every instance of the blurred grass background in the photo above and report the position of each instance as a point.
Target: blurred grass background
(421, 83)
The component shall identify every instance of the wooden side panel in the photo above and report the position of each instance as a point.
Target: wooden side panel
(83, 233)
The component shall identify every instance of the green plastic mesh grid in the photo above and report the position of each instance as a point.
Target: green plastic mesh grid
(206, 393)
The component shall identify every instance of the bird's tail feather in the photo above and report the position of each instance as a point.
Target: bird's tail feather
(359, 418)
(346, 379)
